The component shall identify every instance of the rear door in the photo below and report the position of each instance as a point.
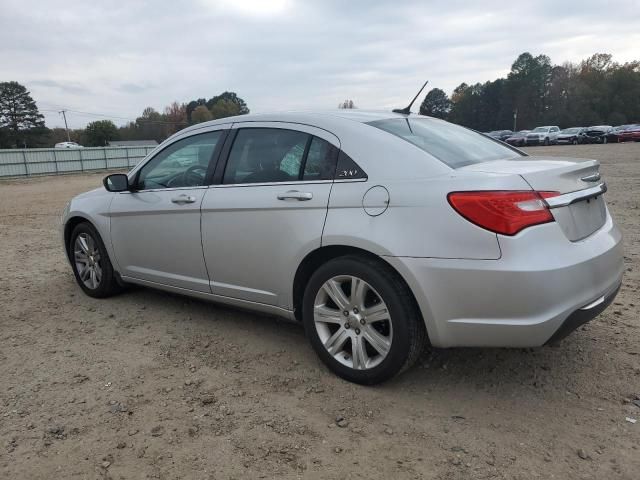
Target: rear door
(267, 210)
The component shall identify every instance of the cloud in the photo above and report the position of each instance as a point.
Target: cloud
(133, 88)
(73, 89)
(117, 58)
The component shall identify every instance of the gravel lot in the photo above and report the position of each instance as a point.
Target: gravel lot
(153, 385)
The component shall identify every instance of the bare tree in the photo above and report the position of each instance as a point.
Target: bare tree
(347, 104)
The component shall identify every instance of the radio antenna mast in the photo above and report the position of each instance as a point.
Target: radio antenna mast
(407, 110)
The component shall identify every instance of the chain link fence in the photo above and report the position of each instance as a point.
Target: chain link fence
(55, 161)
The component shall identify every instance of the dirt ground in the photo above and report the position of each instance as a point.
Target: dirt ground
(153, 385)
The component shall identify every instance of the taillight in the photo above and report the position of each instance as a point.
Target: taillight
(505, 212)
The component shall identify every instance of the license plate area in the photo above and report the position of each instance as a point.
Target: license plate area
(581, 219)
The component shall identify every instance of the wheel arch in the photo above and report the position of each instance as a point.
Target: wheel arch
(71, 223)
(321, 255)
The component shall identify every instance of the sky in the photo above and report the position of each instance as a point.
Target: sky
(114, 58)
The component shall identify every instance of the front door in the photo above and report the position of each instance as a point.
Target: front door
(268, 211)
(155, 229)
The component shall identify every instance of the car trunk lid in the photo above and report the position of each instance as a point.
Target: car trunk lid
(579, 209)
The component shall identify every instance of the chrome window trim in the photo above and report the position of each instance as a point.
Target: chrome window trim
(298, 182)
(573, 197)
(269, 184)
(170, 189)
(350, 180)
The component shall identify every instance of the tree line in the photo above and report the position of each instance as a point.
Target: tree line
(22, 125)
(595, 91)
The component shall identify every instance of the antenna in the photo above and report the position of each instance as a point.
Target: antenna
(407, 110)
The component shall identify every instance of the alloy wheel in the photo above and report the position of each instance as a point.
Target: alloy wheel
(87, 260)
(353, 322)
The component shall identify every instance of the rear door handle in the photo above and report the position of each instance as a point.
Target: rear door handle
(295, 195)
(181, 199)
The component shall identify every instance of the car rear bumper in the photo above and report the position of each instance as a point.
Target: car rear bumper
(542, 284)
(583, 315)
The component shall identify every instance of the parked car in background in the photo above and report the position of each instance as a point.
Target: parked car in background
(614, 134)
(543, 135)
(518, 139)
(573, 135)
(68, 145)
(303, 215)
(631, 133)
(501, 135)
(598, 133)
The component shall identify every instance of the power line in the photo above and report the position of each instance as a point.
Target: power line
(105, 115)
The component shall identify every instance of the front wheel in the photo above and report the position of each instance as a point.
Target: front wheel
(90, 262)
(604, 140)
(546, 142)
(362, 320)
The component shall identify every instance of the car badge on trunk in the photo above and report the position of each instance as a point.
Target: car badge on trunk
(591, 178)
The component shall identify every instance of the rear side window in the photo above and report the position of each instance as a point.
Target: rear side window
(348, 169)
(266, 155)
(453, 145)
(321, 160)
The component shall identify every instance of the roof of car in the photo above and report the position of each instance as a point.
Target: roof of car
(321, 116)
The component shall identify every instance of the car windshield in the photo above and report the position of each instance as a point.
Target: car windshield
(453, 145)
(541, 129)
(571, 130)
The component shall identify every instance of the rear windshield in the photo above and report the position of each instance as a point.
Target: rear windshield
(453, 145)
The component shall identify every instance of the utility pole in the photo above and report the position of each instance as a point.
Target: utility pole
(515, 119)
(66, 127)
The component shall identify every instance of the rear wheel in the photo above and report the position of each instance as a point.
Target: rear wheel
(90, 262)
(362, 320)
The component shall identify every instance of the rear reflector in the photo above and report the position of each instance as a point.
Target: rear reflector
(504, 212)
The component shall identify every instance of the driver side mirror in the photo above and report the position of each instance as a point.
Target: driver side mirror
(116, 182)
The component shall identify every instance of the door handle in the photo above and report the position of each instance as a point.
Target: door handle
(182, 199)
(295, 195)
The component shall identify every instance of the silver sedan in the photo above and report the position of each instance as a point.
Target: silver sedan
(380, 232)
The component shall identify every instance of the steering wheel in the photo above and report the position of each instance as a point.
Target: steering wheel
(192, 176)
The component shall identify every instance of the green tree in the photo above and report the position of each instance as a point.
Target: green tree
(99, 133)
(241, 106)
(201, 114)
(436, 104)
(224, 108)
(151, 125)
(192, 105)
(528, 87)
(22, 123)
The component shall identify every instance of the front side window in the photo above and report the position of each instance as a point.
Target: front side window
(452, 144)
(182, 164)
(265, 155)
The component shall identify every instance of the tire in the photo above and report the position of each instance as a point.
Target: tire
(546, 141)
(86, 246)
(575, 141)
(398, 328)
(604, 140)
